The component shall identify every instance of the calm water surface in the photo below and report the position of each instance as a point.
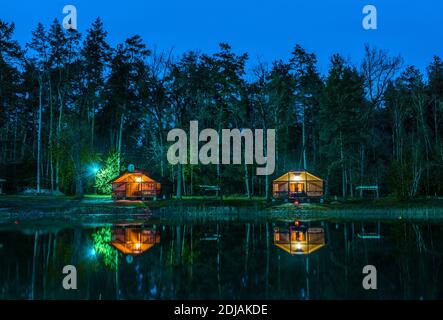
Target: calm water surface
(157, 258)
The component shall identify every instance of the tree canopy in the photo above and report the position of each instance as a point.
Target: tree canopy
(69, 100)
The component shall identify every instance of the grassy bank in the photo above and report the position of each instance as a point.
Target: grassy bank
(48, 203)
(57, 202)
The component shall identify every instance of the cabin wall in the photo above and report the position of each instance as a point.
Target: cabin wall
(135, 190)
(298, 189)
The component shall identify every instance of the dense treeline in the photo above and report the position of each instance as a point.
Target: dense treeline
(68, 102)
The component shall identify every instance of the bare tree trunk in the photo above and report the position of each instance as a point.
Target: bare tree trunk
(22, 151)
(248, 231)
(58, 136)
(184, 181)
(162, 158)
(267, 180)
(92, 127)
(78, 167)
(351, 182)
(39, 134)
(219, 172)
(179, 181)
(248, 191)
(14, 152)
(343, 167)
(51, 149)
(191, 185)
(120, 137)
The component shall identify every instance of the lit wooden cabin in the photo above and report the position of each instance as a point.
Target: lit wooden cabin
(298, 185)
(134, 240)
(299, 240)
(135, 185)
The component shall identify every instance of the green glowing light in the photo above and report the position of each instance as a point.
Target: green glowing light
(101, 242)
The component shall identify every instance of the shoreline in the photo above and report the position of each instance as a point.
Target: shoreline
(92, 207)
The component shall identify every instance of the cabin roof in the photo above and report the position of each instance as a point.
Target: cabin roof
(308, 176)
(127, 249)
(136, 172)
(304, 247)
(134, 240)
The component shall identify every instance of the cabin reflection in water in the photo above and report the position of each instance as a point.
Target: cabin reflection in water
(299, 240)
(134, 240)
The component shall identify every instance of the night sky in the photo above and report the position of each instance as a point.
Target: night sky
(266, 29)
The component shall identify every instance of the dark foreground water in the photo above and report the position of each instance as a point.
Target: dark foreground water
(160, 259)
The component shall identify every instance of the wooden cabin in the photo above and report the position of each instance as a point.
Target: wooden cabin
(135, 185)
(134, 240)
(299, 240)
(298, 185)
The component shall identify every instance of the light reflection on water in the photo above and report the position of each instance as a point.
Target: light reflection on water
(220, 259)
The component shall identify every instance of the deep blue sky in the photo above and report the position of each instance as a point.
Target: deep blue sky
(266, 29)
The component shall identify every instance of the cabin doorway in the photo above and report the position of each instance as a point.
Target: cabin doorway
(133, 189)
(296, 187)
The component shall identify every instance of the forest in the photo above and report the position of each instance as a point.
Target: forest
(74, 109)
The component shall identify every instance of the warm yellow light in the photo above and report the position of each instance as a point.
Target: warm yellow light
(138, 246)
(296, 178)
(138, 179)
(298, 246)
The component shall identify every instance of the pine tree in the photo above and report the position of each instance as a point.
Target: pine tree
(341, 101)
(95, 56)
(10, 54)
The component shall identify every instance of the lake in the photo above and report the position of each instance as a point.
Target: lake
(160, 256)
